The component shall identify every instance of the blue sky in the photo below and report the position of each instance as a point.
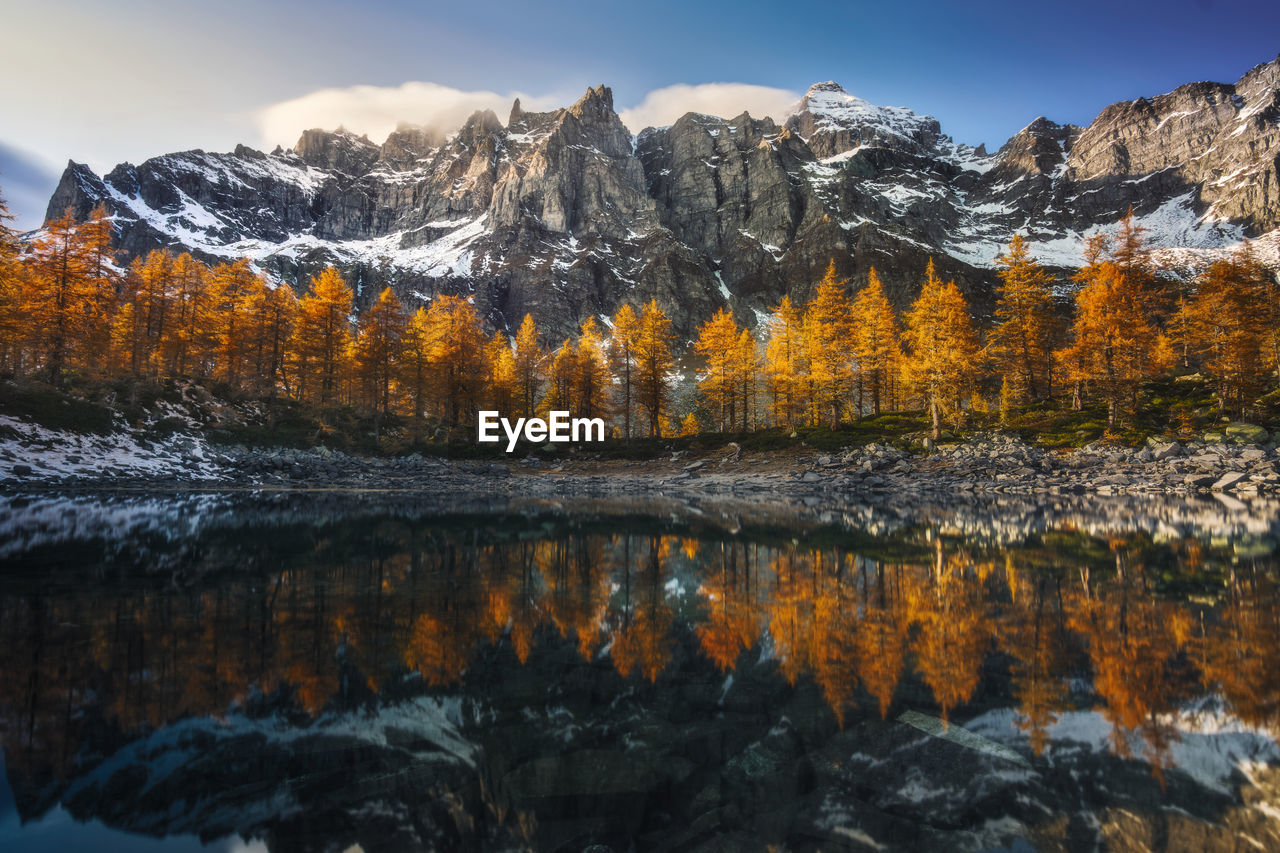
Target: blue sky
(102, 83)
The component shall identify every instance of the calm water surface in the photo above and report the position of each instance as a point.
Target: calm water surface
(328, 672)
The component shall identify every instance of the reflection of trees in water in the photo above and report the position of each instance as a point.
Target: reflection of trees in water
(1236, 651)
(1134, 643)
(1033, 634)
(953, 625)
(731, 624)
(641, 642)
(352, 614)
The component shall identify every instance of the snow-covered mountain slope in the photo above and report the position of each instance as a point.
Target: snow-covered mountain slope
(566, 214)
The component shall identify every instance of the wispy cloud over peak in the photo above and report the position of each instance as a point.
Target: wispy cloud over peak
(663, 106)
(377, 110)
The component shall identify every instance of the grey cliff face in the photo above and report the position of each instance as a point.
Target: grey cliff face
(566, 215)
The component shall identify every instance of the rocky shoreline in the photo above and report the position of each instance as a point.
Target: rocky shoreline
(1238, 467)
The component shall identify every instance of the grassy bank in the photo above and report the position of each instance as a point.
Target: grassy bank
(1178, 408)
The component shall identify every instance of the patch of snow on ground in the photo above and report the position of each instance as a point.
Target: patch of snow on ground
(1212, 748)
(55, 454)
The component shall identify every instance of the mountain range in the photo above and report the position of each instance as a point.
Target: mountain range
(567, 214)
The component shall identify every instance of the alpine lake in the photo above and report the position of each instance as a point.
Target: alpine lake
(335, 671)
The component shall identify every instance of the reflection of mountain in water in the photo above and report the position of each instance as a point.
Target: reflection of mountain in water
(705, 678)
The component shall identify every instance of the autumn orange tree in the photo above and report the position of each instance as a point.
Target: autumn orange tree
(1114, 337)
(377, 352)
(142, 311)
(1230, 326)
(500, 366)
(1030, 634)
(417, 348)
(529, 357)
(270, 316)
(622, 351)
(561, 377)
(654, 361)
(786, 364)
(187, 341)
(12, 325)
(456, 358)
(943, 363)
(1021, 341)
(1131, 254)
(593, 377)
(231, 288)
(826, 336)
(877, 347)
(746, 358)
(1134, 642)
(579, 377)
(953, 628)
(321, 342)
(68, 292)
(717, 343)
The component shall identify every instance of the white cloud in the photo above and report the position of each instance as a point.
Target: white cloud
(663, 106)
(378, 110)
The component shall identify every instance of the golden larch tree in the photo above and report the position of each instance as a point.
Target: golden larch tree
(456, 356)
(594, 378)
(562, 377)
(1021, 340)
(322, 338)
(529, 358)
(1114, 337)
(622, 344)
(12, 320)
(786, 364)
(717, 343)
(416, 349)
(503, 386)
(69, 289)
(746, 373)
(943, 362)
(377, 350)
(186, 345)
(877, 344)
(827, 345)
(271, 312)
(232, 286)
(1231, 330)
(653, 362)
(143, 311)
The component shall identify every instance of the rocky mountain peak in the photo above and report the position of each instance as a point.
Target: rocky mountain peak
(1040, 148)
(407, 146)
(78, 191)
(1217, 143)
(480, 124)
(827, 86)
(597, 103)
(339, 150)
(1262, 75)
(597, 124)
(833, 122)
